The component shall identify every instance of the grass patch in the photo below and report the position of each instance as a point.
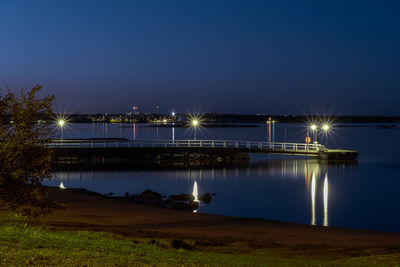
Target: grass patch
(22, 244)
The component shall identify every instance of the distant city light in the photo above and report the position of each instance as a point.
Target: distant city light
(61, 123)
(325, 127)
(313, 127)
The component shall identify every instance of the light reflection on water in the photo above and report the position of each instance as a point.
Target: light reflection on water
(278, 172)
(314, 171)
(195, 192)
(313, 200)
(326, 191)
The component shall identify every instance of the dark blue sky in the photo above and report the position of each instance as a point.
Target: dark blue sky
(279, 57)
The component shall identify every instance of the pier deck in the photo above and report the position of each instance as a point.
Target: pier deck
(100, 151)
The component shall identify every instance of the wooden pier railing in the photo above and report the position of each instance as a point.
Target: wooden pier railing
(267, 147)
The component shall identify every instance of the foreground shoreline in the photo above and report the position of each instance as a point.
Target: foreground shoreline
(94, 212)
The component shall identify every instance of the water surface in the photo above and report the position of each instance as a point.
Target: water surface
(362, 195)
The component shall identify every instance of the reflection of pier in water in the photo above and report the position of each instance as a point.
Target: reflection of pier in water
(286, 168)
(314, 173)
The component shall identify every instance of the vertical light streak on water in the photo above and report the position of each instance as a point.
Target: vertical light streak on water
(273, 132)
(134, 131)
(195, 192)
(326, 189)
(285, 167)
(313, 187)
(173, 133)
(307, 173)
(269, 133)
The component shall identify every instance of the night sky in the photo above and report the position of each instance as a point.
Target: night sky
(274, 57)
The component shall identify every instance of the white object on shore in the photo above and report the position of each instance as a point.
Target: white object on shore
(62, 185)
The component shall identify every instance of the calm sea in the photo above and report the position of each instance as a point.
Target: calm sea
(286, 188)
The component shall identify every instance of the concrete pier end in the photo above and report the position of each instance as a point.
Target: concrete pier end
(338, 154)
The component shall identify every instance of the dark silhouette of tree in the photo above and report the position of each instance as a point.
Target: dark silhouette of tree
(25, 160)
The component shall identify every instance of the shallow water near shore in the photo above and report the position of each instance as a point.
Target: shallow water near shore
(287, 188)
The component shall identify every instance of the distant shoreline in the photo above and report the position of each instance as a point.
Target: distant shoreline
(205, 125)
(216, 118)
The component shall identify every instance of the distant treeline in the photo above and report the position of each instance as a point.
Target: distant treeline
(227, 118)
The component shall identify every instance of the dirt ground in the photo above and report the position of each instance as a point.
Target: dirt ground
(95, 212)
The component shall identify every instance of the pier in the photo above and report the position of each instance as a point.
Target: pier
(192, 151)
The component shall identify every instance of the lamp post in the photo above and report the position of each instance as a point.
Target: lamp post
(195, 124)
(326, 128)
(61, 124)
(313, 128)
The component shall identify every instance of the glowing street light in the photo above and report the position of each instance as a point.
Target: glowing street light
(195, 123)
(61, 123)
(326, 127)
(313, 128)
